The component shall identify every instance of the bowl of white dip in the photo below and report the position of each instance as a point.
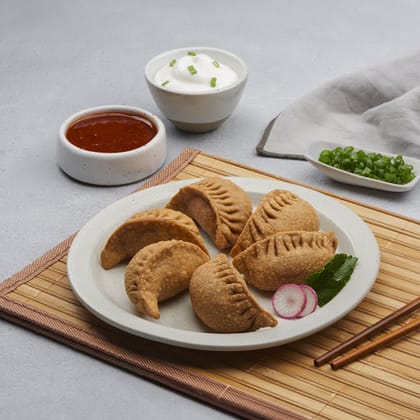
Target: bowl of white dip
(196, 88)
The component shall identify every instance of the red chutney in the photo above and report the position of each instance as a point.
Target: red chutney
(111, 132)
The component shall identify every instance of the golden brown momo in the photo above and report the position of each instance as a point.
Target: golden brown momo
(160, 271)
(218, 205)
(147, 227)
(222, 301)
(278, 211)
(287, 257)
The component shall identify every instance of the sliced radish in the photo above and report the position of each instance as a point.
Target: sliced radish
(311, 300)
(288, 301)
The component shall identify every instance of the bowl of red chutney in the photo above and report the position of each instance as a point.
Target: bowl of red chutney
(111, 145)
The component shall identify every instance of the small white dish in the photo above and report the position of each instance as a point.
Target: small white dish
(102, 291)
(312, 156)
(107, 169)
(197, 111)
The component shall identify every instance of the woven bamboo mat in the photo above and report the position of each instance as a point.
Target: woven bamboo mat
(275, 383)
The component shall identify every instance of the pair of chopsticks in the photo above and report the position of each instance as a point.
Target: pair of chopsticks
(368, 332)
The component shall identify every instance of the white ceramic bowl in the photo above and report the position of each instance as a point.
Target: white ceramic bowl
(312, 156)
(197, 111)
(111, 168)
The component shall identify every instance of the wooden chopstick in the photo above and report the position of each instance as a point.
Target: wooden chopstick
(358, 338)
(372, 346)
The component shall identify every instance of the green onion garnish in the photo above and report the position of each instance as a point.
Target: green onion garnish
(165, 83)
(216, 64)
(369, 164)
(172, 63)
(191, 53)
(192, 69)
(213, 82)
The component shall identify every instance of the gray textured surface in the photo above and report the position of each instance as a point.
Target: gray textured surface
(59, 57)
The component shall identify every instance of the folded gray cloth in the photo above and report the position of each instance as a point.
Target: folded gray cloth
(378, 109)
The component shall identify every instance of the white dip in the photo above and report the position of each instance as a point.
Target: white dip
(195, 73)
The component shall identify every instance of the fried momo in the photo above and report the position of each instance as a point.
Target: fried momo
(218, 205)
(160, 271)
(222, 301)
(287, 257)
(278, 211)
(145, 228)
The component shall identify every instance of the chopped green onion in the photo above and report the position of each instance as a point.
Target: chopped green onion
(213, 82)
(172, 63)
(216, 64)
(165, 83)
(369, 164)
(192, 69)
(191, 53)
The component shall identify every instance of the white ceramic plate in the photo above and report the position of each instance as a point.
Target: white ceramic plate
(102, 291)
(312, 156)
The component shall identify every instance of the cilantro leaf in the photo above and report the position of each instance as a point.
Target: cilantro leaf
(332, 277)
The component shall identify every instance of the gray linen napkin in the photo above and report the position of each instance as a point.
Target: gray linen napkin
(378, 109)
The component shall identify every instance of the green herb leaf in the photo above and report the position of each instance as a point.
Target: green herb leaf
(191, 53)
(165, 83)
(172, 63)
(332, 277)
(213, 82)
(192, 69)
(216, 64)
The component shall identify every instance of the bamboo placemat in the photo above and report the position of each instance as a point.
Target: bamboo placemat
(275, 383)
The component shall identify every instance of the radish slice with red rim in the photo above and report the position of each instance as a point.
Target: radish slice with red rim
(311, 300)
(288, 301)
